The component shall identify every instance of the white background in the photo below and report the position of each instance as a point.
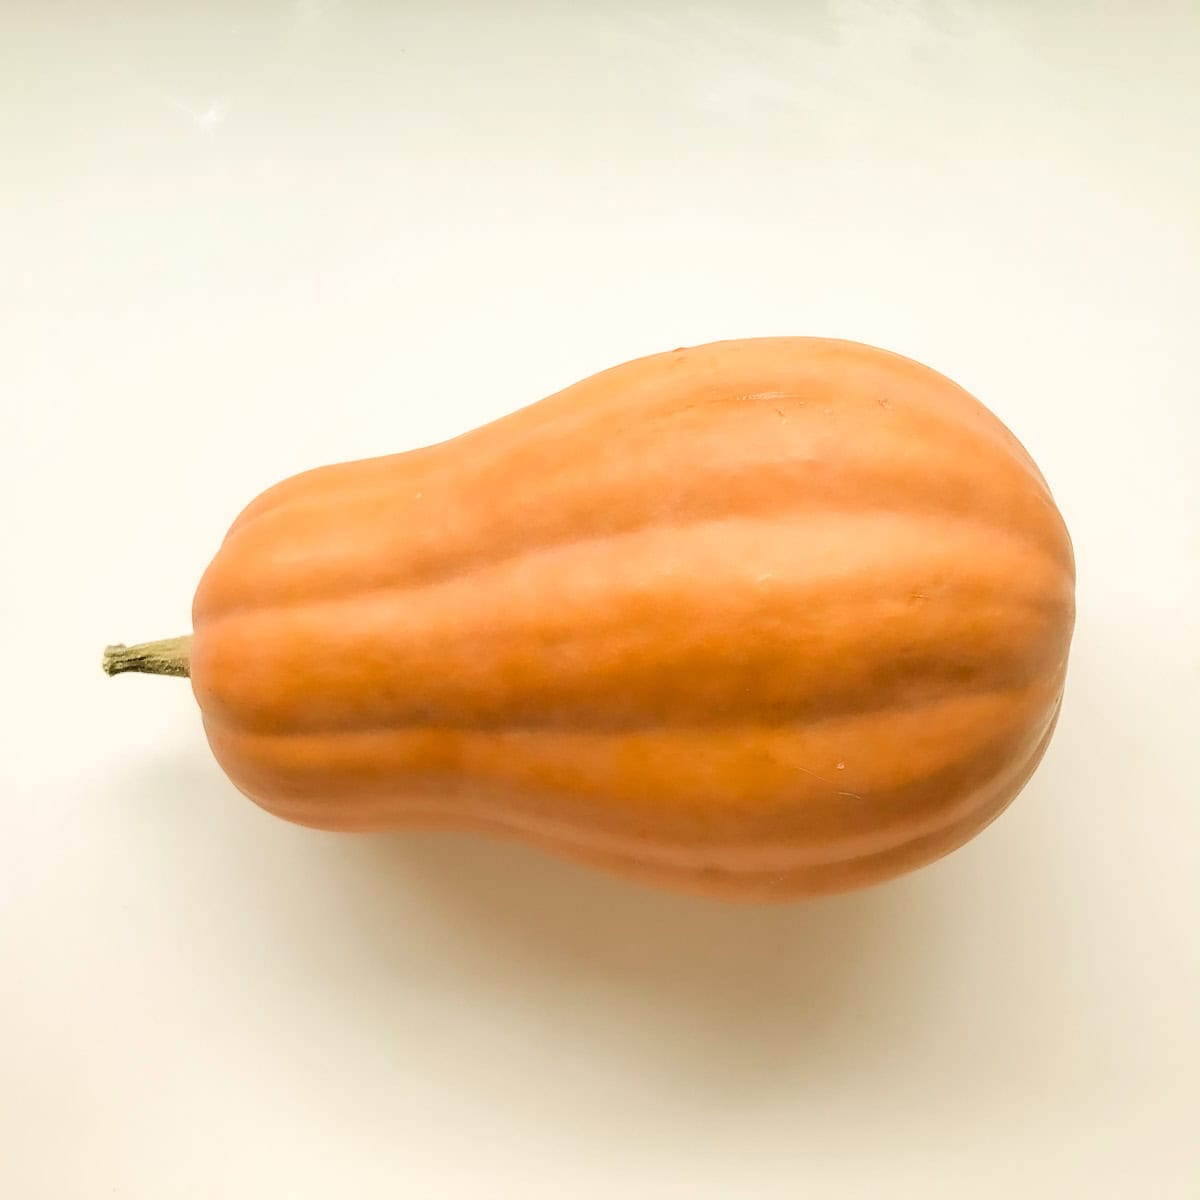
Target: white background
(243, 239)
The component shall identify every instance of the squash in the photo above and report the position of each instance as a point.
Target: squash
(763, 618)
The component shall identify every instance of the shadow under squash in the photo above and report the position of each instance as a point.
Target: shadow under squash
(735, 997)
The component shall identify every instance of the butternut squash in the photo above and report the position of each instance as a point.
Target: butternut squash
(765, 618)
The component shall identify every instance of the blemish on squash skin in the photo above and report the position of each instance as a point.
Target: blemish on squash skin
(829, 782)
(841, 766)
(751, 397)
(763, 396)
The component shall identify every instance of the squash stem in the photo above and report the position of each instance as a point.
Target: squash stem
(166, 657)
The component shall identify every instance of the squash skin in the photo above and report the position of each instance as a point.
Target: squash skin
(765, 618)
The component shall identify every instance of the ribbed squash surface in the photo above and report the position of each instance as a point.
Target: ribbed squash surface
(767, 617)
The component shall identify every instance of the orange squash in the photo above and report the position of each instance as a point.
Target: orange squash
(767, 618)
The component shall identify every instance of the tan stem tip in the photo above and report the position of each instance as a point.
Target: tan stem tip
(166, 657)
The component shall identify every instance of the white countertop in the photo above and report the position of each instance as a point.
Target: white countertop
(239, 240)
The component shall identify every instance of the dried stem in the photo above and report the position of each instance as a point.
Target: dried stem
(166, 657)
